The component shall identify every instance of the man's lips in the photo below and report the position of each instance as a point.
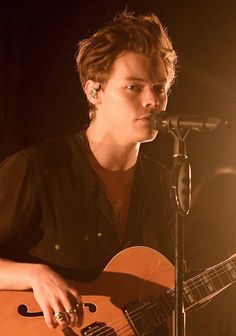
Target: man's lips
(145, 117)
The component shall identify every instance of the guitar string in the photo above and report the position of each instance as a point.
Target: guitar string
(134, 315)
(193, 285)
(219, 271)
(116, 325)
(197, 280)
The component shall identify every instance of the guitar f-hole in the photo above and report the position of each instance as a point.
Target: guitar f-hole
(91, 307)
(23, 310)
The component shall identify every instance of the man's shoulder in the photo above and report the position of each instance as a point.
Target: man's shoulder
(55, 148)
(55, 152)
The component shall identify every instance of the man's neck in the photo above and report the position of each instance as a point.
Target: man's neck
(111, 153)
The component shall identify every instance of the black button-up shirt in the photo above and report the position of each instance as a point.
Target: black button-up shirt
(54, 210)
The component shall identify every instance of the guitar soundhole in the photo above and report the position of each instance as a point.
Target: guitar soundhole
(23, 311)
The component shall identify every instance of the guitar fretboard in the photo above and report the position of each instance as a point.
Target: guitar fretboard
(148, 316)
(210, 282)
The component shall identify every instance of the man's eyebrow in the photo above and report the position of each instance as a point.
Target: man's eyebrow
(133, 78)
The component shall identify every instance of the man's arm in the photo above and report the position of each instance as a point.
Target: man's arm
(51, 291)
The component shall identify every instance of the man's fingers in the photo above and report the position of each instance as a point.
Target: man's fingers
(76, 309)
(72, 313)
(62, 318)
(49, 318)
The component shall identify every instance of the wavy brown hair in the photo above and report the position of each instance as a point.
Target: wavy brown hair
(143, 34)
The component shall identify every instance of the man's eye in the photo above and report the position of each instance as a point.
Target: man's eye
(159, 89)
(134, 87)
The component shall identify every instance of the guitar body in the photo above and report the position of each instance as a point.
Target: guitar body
(135, 274)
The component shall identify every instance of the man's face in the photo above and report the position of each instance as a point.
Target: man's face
(137, 84)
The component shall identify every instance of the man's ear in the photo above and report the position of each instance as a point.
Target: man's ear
(91, 90)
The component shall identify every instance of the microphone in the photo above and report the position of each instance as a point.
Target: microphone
(163, 122)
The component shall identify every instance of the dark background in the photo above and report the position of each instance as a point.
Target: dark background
(40, 94)
(40, 90)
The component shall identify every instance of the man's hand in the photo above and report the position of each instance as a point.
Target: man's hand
(60, 302)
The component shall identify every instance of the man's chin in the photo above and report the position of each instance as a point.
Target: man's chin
(150, 137)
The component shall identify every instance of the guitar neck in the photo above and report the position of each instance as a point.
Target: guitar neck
(208, 283)
(196, 290)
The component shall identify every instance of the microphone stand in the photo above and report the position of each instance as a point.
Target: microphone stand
(179, 126)
(181, 184)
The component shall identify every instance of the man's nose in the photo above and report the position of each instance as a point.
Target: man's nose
(150, 98)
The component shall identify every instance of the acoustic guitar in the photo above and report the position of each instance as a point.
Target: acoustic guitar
(133, 296)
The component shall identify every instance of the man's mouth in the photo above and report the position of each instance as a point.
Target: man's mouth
(145, 117)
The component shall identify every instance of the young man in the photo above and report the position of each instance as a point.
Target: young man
(69, 204)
